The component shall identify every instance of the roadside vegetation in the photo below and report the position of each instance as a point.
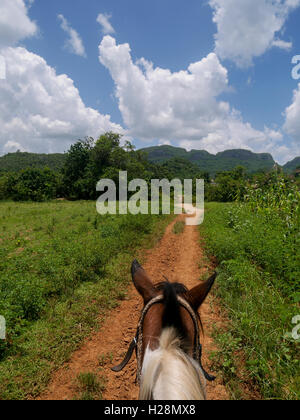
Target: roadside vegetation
(256, 244)
(63, 268)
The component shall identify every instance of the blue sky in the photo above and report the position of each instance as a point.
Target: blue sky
(151, 29)
(239, 94)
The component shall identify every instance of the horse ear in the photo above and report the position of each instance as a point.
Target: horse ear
(199, 293)
(142, 282)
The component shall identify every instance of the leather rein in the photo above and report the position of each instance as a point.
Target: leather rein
(137, 342)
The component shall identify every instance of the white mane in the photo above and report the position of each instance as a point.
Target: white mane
(170, 374)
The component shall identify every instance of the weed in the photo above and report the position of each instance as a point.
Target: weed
(89, 386)
(105, 358)
(178, 228)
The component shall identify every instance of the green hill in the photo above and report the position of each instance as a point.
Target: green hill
(204, 161)
(291, 166)
(22, 160)
(179, 168)
(207, 162)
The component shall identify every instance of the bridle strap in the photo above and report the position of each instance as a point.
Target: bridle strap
(208, 376)
(137, 342)
(186, 305)
(127, 358)
(154, 301)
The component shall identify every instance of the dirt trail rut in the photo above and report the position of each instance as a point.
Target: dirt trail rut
(178, 257)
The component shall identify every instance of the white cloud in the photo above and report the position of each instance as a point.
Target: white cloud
(43, 111)
(74, 43)
(248, 28)
(279, 43)
(292, 117)
(12, 146)
(154, 102)
(181, 107)
(15, 24)
(103, 20)
(40, 111)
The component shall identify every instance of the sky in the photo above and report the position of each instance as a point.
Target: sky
(204, 74)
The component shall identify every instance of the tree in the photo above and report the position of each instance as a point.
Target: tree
(228, 186)
(76, 162)
(35, 185)
(6, 183)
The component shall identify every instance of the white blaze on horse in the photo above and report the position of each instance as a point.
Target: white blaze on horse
(168, 340)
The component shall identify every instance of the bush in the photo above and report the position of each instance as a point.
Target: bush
(35, 185)
(29, 185)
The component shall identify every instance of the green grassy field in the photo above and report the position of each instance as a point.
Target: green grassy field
(62, 268)
(258, 289)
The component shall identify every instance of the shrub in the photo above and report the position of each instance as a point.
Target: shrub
(34, 185)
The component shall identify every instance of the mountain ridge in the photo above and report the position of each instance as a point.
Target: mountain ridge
(22, 160)
(207, 162)
(221, 161)
(292, 165)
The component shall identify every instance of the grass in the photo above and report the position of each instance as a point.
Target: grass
(257, 355)
(178, 228)
(105, 358)
(63, 268)
(89, 386)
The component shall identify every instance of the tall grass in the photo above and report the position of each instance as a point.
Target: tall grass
(257, 248)
(275, 204)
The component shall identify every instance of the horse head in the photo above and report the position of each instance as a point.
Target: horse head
(168, 334)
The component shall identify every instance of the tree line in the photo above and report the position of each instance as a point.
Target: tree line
(88, 161)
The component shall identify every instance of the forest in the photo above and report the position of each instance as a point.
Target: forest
(74, 175)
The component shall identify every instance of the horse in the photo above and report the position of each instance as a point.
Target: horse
(167, 340)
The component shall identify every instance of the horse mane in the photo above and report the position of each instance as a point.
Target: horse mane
(169, 373)
(171, 315)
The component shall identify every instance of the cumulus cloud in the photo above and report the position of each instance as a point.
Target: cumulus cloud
(292, 116)
(248, 28)
(43, 111)
(158, 103)
(182, 107)
(74, 42)
(103, 20)
(40, 110)
(15, 24)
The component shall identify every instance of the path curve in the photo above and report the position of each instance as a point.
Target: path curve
(179, 258)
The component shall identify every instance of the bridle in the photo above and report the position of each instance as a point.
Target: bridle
(137, 342)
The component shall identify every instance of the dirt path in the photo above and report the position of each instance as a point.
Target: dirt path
(178, 257)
